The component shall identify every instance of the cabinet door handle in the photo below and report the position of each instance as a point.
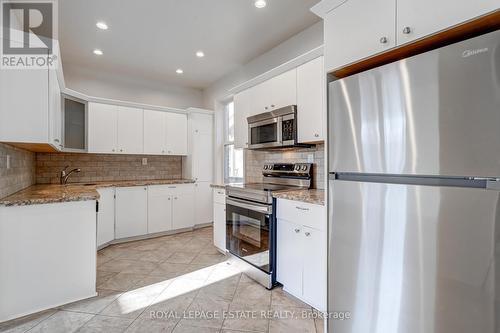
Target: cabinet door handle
(113, 150)
(316, 135)
(297, 230)
(406, 30)
(383, 40)
(272, 105)
(307, 234)
(301, 208)
(56, 140)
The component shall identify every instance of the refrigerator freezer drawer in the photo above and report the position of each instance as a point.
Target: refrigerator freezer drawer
(437, 113)
(414, 259)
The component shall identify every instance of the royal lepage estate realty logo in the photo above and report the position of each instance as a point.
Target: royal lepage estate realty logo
(28, 33)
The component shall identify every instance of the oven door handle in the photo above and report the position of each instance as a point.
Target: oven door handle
(251, 206)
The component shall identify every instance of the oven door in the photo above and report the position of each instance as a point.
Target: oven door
(266, 133)
(248, 232)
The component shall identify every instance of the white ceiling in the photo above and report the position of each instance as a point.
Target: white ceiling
(150, 39)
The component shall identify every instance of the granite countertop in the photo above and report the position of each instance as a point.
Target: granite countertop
(312, 196)
(54, 193)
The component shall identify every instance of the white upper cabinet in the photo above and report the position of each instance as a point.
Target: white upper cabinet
(115, 129)
(358, 29)
(176, 125)
(284, 89)
(130, 130)
(55, 110)
(165, 133)
(311, 85)
(275, 93)
(416, 19)
(102, 132)
(154, 132)
(242, 106)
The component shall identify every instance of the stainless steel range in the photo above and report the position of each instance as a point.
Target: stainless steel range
(250, 219)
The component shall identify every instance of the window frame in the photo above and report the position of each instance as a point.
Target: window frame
(226, 143)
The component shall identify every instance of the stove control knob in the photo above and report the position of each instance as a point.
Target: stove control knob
(265, 167)
(304, 167)
(270, 167)
(297, 167)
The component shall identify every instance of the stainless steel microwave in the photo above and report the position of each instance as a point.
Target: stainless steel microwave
(275, 129)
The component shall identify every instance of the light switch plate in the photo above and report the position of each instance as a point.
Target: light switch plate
(144, 161)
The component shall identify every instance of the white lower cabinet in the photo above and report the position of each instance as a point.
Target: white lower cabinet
(302, 251)
(159, 209)
(220, 219)
(131, 211)
(170, 207)
(203, 203)
(289, 257)
(183, 213)
(106, 216)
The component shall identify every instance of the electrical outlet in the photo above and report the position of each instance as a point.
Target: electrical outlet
(8, 162)
(310, 158)
(144, 161)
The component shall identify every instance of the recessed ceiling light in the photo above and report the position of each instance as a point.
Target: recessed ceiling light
(102, 25)
(179, 71)
(260, 3)
(200, 54)
(98, 52)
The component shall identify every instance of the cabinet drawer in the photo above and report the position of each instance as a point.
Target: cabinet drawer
(170, 189)
(219, 196)
(302, 213)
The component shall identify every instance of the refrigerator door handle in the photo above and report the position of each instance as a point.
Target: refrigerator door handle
(493, 184)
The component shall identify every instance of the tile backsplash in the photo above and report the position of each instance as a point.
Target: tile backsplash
(256, 159)
(21, 172)
(106, 167)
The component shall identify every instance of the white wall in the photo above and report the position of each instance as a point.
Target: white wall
(111, 86)
(297, 45)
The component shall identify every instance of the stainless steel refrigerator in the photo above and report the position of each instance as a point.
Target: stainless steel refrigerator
(414, 220)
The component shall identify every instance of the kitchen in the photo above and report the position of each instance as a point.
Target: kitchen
(175, 189)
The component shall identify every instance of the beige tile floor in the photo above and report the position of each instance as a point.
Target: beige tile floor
(177, 283)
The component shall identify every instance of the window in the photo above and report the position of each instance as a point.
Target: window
(233, 158)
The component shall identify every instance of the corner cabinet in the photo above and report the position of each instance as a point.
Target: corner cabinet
(302, 251)
(357, 29)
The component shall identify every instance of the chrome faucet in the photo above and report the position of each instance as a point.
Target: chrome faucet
(63, 177)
